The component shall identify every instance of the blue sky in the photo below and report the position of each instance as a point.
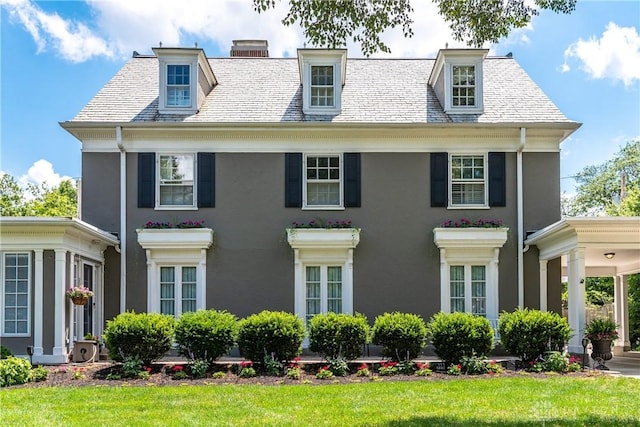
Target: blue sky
(56, 55)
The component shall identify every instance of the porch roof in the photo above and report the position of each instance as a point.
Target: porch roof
(596, 236)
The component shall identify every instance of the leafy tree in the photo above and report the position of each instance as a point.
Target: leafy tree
(37, 200)
(329, 23)
(11, 197)
(599, 187)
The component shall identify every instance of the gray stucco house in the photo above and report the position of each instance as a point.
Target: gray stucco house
(390, 150)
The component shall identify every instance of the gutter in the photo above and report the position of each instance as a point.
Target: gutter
(123, 219)
(520, 208)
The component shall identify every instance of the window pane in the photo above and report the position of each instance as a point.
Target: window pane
(334, 289)
(16, 293)
(167, 290)
(312, 292)
(189, 289)
(456, 287)
(322, 86)
(178, 86)
(176, 180)
(478, 290)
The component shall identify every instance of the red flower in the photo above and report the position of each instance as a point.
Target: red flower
(148, 369)
(178, 368)
(324, 368)
(363, 366)
(422, 365)
(246, 363)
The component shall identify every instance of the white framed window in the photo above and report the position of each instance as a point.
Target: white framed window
(178, 289)
(178, 85)
(323, 181)
(323, 290)
(463, 86)
(468, 289)
(322, 86)
(16, 294)
(176, 180)
(322, 75)
(468, 180)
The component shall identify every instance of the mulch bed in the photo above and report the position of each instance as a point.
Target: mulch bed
(161, 374)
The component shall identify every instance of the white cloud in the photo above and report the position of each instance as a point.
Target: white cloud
(74, 41)
(115, 28)
(615, 55)
(42, 171)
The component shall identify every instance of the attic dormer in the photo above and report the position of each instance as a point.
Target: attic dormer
(186, 78)
(322, 75)
(457, 80)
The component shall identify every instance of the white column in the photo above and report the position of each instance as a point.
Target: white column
(621, 313)
(59, 347)
(298, 285)
(543, 284)
(347, 298)
(201, 299)
(445, 301)
(38, 282)
(576, 292)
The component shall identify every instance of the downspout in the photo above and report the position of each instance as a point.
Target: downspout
(520, 202)
(123, 220)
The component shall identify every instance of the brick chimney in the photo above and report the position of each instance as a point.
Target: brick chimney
(250, 49)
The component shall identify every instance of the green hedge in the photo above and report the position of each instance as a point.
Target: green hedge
(458, 335)
(338, 335)
(528, 334)
(402, 335)
(206, 334)
(269, 333)
(146, 336)
(13, 371)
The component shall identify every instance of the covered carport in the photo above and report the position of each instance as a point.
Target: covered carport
(591, 247)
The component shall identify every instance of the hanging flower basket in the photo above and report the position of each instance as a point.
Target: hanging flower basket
(79, 300)
(79, 295)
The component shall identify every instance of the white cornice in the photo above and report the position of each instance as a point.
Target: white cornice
(175, 238)
(323, 238)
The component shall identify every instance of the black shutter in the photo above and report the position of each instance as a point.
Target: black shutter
(352, 193)
(293, 180)
(439, 175)
(146, 180)
(206, 180)
(497, 180)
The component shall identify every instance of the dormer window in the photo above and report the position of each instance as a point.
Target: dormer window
(322, 86)
(456, 79)
(463, 86)
(322, 75)
(178, 86)
(185, 80)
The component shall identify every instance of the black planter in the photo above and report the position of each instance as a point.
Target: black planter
(601, 352)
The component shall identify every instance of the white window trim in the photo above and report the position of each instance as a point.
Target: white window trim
(305, 206)
(2, 294)
(163, 106)
(449, 108)
(193, 206)
(307, 108)
(471, 246)
(322, 247)
(171, 247)
(450, 205)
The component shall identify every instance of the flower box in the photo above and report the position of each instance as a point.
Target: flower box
(469, 237)
(323, 237)
(175, 238)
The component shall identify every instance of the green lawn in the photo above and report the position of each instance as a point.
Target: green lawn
(512, 401)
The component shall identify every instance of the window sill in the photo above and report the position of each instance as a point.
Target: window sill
(175, 238)
(456, 207)
(323, 208)
(176, 208)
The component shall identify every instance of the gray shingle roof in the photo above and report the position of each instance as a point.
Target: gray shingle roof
(267, 90)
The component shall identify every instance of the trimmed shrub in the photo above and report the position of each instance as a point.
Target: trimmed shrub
(270, 333)
(206, 334)
(5, 352)
(456, 335)
(337, 336)
(528, 334)
(402, 335)
(146, 336)
(14, 371)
